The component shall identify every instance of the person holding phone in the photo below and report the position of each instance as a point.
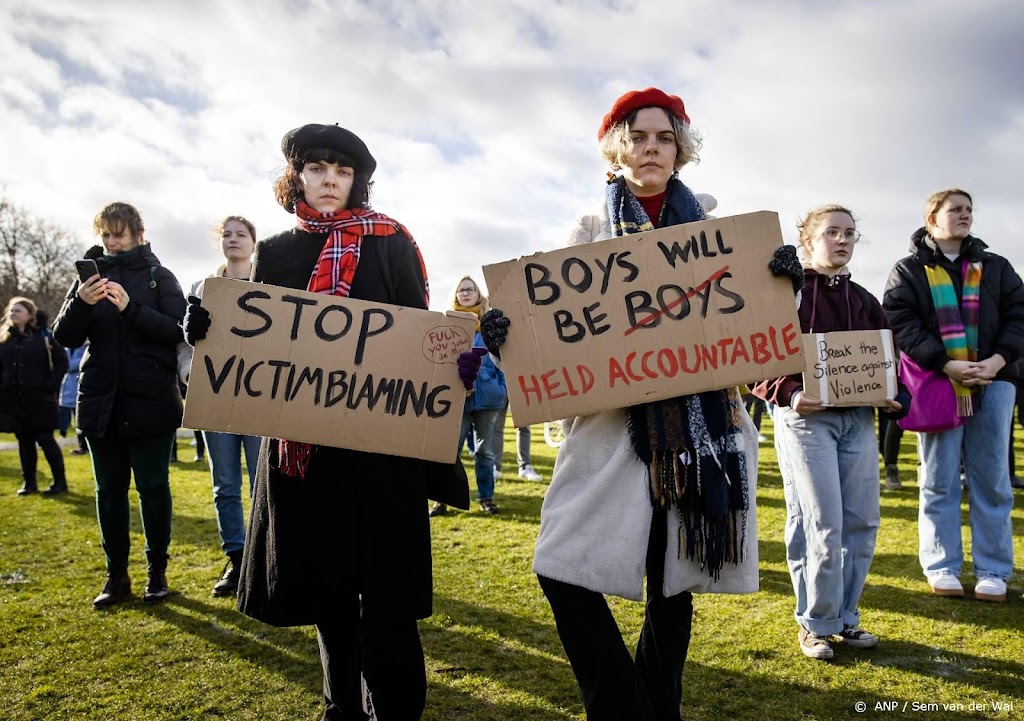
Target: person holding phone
(129, 307)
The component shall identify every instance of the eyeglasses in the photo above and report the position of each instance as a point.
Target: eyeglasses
(833, 234)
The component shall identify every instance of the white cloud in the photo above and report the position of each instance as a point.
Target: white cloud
(483, 115)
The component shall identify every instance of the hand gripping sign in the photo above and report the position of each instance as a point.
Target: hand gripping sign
(328, 370)
(644, 317)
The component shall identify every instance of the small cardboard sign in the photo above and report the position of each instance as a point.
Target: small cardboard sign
(851, 368)
(644, 317)
(332, 371)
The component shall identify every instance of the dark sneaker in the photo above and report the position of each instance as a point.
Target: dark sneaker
(489, 507)
(228, 583)
(156, 587)
(438, 509)
(892, 478)
(814, 646)
(858, 637)
(28, 489)
(56, 488)
(117, 589)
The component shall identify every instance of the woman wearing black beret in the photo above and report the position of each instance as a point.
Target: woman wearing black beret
(340, 539)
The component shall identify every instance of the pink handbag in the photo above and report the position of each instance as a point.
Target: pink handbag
(934, 406)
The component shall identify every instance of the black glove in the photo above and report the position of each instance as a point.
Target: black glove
(196, 322)
(785, 262)
(494, 327)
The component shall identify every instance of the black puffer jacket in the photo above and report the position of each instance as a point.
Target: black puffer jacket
(128, 385)
(32, 365)
(908, 304)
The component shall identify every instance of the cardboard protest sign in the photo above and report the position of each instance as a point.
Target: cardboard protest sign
(851, 368)
(328, 370)
(644, 317)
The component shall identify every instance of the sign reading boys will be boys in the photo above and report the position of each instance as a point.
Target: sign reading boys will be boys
(851, 368)
(328, 370)
(645, 317)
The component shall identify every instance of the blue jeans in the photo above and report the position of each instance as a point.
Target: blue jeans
(829, 464)
(224, 452)
(981, 442)
(483, 423)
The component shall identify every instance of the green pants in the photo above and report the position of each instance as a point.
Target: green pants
(113, 461)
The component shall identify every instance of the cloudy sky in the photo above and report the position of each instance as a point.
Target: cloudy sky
(483, 115)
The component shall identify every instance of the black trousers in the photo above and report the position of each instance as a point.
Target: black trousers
(29, 459)
(385, 651)
(616, 686)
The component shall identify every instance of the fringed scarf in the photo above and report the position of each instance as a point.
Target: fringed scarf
(692, 445)
(333, 275)
(958, 322)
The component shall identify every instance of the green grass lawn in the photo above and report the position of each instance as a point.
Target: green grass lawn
(491, 646)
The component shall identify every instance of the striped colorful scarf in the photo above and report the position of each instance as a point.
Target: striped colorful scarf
(958, 322)
(333, 275)
(692, 445)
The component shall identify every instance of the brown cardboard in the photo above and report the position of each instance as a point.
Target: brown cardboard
(573, 347)
(851, 368)
(248, 373)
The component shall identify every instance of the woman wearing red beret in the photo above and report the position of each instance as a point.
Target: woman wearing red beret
(339, 538)
(611, 516)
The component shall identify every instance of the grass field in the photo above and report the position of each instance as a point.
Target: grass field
(491, 646)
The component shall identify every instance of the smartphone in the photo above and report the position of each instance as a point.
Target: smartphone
(87, 268)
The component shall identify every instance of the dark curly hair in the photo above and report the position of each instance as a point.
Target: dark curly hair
(288, 188)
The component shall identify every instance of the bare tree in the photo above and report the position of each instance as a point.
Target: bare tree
(37, 258)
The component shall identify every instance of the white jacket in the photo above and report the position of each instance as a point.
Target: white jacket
(596, 516)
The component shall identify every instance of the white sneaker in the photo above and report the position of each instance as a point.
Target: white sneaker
(528, 474)
(946, 585)
(761, 438)
(990, 588)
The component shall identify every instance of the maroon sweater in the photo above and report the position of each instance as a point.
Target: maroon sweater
(828, 304)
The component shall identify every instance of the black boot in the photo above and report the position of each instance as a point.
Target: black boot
(156, 585)
(228, 583)
(117, 589)
(28, 487)
(59, 485)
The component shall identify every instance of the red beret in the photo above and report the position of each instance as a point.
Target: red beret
(636, 99)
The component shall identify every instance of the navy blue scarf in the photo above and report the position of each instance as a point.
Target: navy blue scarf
(692, 445)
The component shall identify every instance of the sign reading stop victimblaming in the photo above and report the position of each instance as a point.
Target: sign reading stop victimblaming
(645, 317)
(328, 370)
(851, 368)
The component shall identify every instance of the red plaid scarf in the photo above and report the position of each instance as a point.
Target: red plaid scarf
(333, 275)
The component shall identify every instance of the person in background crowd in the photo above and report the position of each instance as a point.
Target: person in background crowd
(892, 437)
(523, 456)
(332, 541)
(128, 401)
(829, 456)
(69, 394)
(484, 405)
(613, 509)
(755, 409)
(958, 308)
(236, 240)
(31, 368)
(1014, 481)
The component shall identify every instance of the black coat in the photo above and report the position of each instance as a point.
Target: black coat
(32, 366)
(128, 385)
(908, 304)
(357, 523)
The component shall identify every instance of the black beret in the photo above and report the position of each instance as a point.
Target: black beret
(298, 142)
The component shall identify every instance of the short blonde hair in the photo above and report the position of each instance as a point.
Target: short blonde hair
(485, 304)
(617, 142)
(116, 217)
(811, 222)
(936, 200)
